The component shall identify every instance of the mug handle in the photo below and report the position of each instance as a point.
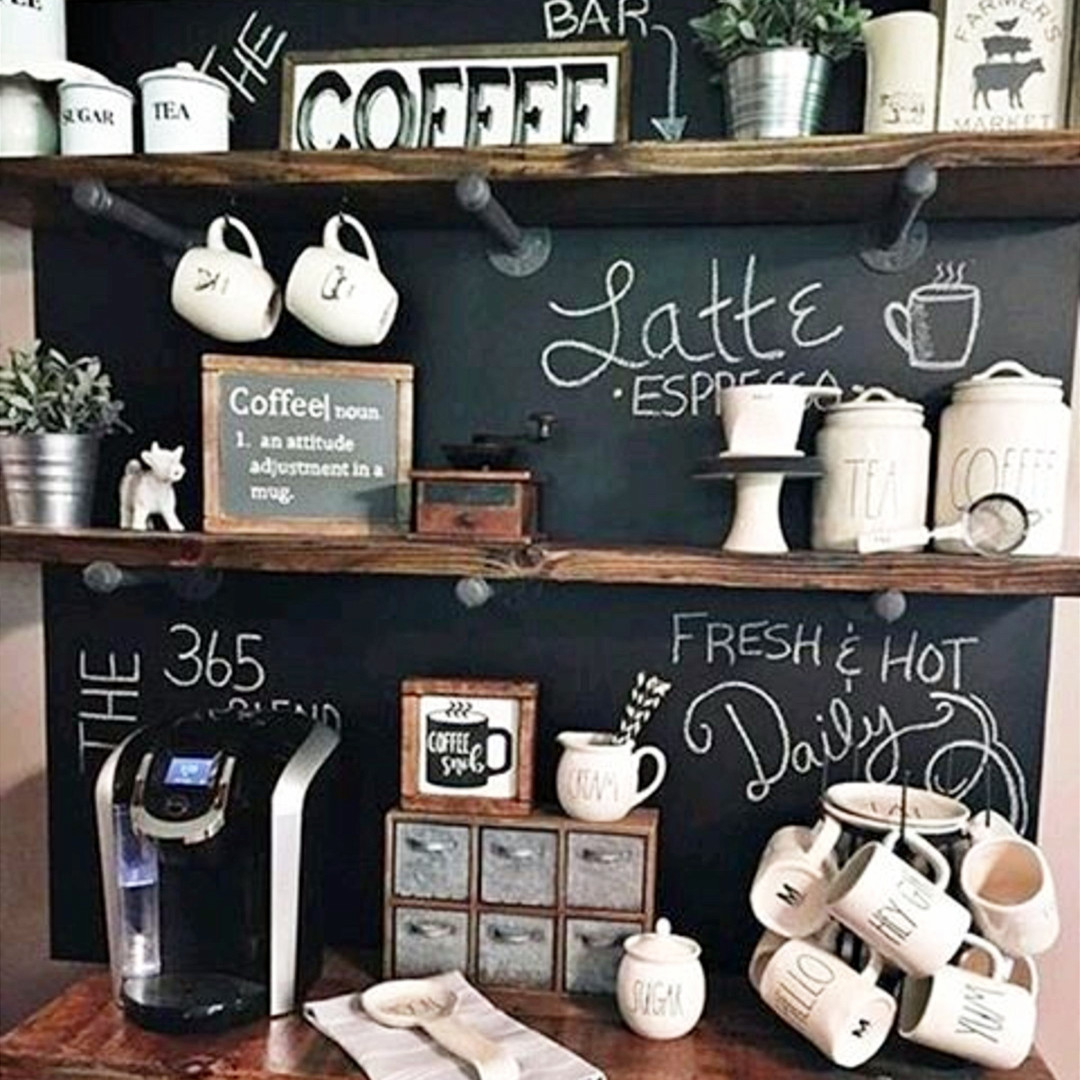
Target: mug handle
(827, 835)
(331, 236)
(894, 314)
(215, 236)
(874, 967)
(508, 750)
(939, 865)
(1000, 966)
(661, 771)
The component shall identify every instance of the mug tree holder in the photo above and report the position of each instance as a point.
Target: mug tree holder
(755, 527)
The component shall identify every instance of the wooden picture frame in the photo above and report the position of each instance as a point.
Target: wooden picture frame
(1009, 68)
(448, 730)
(344, 433)
(1074, 71)
(536, 93)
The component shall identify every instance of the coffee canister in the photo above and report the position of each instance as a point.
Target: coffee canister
(876, 455)
(1006, 430)
(183, 111)
(30, 32)
(95, 118)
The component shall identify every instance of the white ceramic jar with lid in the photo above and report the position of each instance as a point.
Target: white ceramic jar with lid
(660, 988)
(184, 111)
(876, 455)
(1006, 430)
(30, 32)
(95, 118)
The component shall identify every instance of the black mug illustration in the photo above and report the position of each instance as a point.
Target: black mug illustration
(457, 747)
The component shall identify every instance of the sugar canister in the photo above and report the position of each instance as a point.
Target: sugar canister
(1005, 430)
(660, 988)
(876, 456)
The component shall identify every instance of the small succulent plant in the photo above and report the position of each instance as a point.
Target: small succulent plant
(42, 392)
(734, 28)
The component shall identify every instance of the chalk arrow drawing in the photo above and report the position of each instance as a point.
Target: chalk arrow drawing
(671, 126)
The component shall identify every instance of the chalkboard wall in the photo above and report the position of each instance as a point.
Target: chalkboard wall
(625, 336)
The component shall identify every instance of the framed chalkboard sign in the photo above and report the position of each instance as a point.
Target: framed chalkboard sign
(297, 445)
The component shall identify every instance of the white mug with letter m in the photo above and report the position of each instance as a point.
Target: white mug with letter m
(343, 296)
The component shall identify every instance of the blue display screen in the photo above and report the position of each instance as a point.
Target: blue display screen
(190, 771)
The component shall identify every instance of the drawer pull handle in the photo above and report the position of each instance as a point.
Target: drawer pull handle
(518, 854)
(602, 941)
(431, 929)
(605, 858)
(431, 847)
(515, 937)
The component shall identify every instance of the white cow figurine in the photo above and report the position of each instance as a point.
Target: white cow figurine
(144, 492)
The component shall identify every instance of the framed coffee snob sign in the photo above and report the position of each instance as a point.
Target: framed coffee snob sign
(456, 96)
(467, 745)
(302, 445)
(1005, 66)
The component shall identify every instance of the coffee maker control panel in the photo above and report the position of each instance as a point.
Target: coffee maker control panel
(181, 795)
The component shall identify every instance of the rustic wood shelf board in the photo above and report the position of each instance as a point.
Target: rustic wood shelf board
(549, 561)
(841, 177)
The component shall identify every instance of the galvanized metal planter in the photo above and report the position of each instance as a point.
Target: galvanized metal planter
(776, 93)
(49, 479)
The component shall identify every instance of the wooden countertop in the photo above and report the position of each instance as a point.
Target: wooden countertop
(82, 1035)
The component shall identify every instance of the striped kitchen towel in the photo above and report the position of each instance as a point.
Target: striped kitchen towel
(408, 1054)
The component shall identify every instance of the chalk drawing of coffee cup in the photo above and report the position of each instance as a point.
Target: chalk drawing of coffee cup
(458, 745)
(938, 324)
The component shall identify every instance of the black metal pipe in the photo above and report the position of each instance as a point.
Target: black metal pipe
(475, 195)
(93, 197)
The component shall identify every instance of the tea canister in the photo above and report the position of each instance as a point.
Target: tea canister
(95, 118)
(184, 111)
(1005, 430)
(876, 455)
(660, 988)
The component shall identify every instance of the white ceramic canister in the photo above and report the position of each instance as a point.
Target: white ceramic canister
(31, 31)
(876, 455)
(1006, 430)
(96, 118)
(660, 988)
(184, 111)
(27, 124)
(901, 73)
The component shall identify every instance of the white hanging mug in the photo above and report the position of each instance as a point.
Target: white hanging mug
(226, 294)
(897, 911)
(843, 1012)
(341, 295)
(984, 1018)
(793, 875)
(598, 778)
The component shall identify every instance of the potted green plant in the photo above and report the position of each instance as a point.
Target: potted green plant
(53, 412)
(775, 57)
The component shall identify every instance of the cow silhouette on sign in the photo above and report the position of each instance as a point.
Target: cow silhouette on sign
(1009, 77)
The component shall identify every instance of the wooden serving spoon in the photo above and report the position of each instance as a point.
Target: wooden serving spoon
(423, 1003)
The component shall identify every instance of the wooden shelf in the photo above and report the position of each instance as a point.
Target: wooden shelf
(548, 561)
(826, 178)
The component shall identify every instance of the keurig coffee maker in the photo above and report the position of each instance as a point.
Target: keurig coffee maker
(210, 830)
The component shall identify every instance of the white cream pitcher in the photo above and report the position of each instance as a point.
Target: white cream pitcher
(1006, 430)
(876, 455)
(598, 778)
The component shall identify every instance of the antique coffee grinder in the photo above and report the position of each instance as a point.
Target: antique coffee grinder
(483, 496)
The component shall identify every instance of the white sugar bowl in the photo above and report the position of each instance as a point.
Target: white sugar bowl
(661, 984)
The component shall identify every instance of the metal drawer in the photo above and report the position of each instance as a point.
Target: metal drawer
(605, 871)
(593, 950)
(516, 950)
(431, 861)
(427, 942)
(517, 866)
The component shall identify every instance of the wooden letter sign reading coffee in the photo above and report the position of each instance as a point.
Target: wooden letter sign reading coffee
(477, 95)
(295, 445)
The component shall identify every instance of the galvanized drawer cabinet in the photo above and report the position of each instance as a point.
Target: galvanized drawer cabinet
(541, 903)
